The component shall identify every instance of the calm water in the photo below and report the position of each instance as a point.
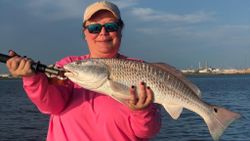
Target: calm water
(20, 120)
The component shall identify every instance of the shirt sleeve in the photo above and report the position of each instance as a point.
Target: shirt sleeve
(49, 98)
(146, 123)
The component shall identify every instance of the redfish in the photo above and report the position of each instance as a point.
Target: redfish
(172, 90)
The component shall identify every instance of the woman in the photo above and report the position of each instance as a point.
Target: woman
(77, 114)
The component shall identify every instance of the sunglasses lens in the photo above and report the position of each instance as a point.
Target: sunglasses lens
(94, 28)
(111, 27)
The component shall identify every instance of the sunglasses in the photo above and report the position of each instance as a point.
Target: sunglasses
(109, 27)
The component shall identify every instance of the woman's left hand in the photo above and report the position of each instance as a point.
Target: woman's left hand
(143, 99)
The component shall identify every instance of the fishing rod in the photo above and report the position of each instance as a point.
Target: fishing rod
(38, 67)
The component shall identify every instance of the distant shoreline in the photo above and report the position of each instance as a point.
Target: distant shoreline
(10, 78)
(214, 74)
(185, 74)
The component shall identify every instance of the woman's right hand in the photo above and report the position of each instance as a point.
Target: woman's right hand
(19, 66)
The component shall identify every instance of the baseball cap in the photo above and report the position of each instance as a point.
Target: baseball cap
(101, 5)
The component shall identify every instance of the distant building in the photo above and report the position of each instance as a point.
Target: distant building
(188, 71)
(205, 70)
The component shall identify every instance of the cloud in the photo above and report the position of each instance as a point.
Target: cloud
(230, 35)
(57, 9)
(66, 9)
(122, 4)
(148, 14)
(220, 36)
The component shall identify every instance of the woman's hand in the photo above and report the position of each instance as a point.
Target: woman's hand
(143, 99)
(19, 66)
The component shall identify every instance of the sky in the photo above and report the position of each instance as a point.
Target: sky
(182, 33)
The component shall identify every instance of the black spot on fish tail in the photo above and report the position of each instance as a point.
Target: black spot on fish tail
(215, 110)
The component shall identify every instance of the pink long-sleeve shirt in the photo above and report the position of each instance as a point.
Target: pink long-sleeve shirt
(77, 114)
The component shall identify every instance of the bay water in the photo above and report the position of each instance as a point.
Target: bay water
(21, 121)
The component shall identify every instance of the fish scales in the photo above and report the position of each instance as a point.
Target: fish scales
(162, 86)
(171, 89)
(131, 73)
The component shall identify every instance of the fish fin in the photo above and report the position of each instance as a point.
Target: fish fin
(220, 119)
(173, 110)
(178, 74)
(119, 92)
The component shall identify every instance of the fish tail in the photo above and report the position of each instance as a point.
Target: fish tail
(219, 120)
